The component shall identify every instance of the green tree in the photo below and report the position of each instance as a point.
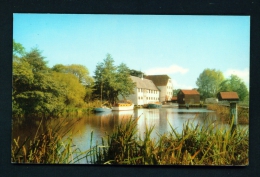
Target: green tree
(18, 49)
(136, 73)
(209, 82)
(36, 60)
(235, 84)
(124, 84)
(34, 89)
(73, 92)
(81, 72)
(175, 92)
(112, 81)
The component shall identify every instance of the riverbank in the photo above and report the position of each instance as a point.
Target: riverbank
(223, 113)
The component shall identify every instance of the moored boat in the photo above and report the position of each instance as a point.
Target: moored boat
(154, 105)
(102, 109)
(123, 106)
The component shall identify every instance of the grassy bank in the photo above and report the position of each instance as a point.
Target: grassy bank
(67, 111)
(223, 113)
(196, 145)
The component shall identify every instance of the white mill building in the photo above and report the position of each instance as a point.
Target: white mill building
(144, 92)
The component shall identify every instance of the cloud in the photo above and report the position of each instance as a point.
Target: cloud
(243, 74)
(177, 85)
(167, 70)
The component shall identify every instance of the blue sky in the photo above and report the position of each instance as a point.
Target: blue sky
(179, 46)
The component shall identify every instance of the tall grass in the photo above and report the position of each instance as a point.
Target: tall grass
(224, 113)
(196, 145)
(207, 144)
(52, 146)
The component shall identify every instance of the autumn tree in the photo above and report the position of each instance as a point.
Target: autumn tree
(209, 82)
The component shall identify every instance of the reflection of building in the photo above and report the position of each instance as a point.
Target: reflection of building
(147, 118)
(164, 84)
(188, 97)
(144, 92)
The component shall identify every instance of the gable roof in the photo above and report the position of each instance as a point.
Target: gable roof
(228, 95)
(159, 80)
(190, 92)
(143, 83)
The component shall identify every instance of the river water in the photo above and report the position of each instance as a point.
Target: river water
(103, 124)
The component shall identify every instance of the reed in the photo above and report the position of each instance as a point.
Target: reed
(223, 113)
(207, 144)
(52, 146)
(197, 145)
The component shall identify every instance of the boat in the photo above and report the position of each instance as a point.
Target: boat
(123, 106)
(102, 109)
(154, 105)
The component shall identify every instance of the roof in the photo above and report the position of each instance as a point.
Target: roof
(228, 95)
(190, 92)
(174, 99)
(159, 80)
(143, 83)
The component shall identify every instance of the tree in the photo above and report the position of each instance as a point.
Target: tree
(136, 73)
(34, 89)
(175, 92)
(111, 80)
(36, 60)
(81, 72)
(124, 85)
(18, 49)
(72, 90)
(235, 84)
(209, 82)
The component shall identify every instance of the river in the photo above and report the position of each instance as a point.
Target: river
(103, 124)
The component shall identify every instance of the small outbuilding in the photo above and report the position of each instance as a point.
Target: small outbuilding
(174, 99)
(188, 97)
(228, 96)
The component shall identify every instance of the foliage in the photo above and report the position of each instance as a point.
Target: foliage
(235, 84)
(136, 73)
(73, 92)
(175, 92)
(18, 49)
(80, 71)
(111, 80)
(34, 90)
(208, 82)
(40, 91)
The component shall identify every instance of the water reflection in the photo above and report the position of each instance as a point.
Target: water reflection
(102, 124)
